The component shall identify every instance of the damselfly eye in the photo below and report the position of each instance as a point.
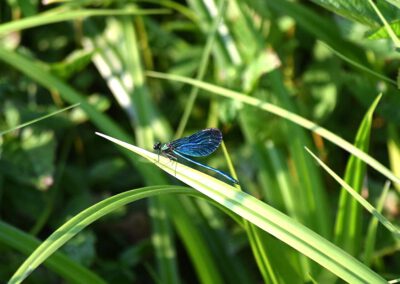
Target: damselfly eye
(157, 146)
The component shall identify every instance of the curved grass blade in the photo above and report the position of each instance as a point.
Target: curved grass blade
(46, 79)
(82, 220)
(59, 263)
(265, 217)
(295, 118)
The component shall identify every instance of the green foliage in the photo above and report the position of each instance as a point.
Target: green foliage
(275, 76)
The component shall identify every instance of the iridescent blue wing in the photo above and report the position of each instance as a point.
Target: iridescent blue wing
(200, 144)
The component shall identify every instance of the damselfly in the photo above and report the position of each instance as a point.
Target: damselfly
(200, 144)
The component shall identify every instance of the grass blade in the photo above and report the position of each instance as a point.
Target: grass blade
(297, 119)
(37, 119)
(265, 217)
(372, 228)
(59, 263)
(382, 219)
(55, 17)
(348, 222)
(81, 221)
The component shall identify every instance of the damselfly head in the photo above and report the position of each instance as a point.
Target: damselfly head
(157, 146)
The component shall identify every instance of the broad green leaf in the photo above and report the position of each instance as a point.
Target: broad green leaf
(382, 32)
(385, 22)
(356, 10)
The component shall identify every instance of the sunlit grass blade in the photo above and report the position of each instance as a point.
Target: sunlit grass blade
(84, 219)
(37, 119)
(297, 119)
(382, 219)
(393, 145)
(265, 217)
(49, 18)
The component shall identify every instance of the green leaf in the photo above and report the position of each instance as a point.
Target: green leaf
(356, 10)
(382, 32)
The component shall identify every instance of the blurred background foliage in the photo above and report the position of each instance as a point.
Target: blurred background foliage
(325, 60)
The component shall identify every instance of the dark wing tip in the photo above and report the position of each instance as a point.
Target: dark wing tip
(215, 132)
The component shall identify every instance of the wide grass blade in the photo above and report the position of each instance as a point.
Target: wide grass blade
(59, 263)
(84, 219)
(267, 218)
